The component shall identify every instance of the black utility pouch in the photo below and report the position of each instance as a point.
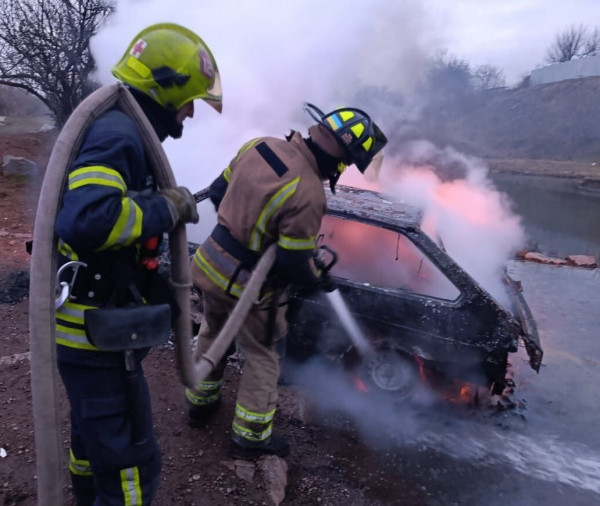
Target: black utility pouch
(128, 328)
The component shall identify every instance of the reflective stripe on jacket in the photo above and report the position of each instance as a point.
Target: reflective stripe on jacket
(70, 330)
(109, 207)
(109, 202)
(274, 194)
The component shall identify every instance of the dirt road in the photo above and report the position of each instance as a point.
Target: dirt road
(330, 464)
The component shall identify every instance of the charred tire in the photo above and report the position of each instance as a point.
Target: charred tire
(392, 371)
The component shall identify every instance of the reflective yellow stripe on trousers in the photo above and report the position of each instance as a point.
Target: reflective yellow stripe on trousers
(253, 417)
(130, 484)
(208, 392)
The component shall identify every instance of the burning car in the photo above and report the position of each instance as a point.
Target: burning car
(415, 305)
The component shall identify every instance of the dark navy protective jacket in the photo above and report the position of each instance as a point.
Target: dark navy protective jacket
(109, 208)
(104, 207)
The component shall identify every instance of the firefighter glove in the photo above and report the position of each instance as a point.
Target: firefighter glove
(182, 205)
(326, 283)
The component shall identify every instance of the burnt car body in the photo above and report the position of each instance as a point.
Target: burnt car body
(411, 300)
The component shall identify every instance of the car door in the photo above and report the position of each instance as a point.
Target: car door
(405, 293)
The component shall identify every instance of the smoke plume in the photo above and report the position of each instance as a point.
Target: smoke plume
(463, 211)
(273, 56)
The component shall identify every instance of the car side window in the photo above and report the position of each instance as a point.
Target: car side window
(383, 258)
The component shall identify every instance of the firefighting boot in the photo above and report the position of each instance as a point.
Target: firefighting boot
(200, 410)
(200, 416)
(242, 448)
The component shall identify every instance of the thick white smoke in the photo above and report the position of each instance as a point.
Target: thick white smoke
(273, 56)
(379, 416)
(463, 211)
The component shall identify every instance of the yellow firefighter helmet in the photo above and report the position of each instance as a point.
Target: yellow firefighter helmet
(172, 65)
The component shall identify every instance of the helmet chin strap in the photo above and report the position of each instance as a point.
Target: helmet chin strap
(333, 181)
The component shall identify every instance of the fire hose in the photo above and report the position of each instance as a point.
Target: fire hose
(44, 381)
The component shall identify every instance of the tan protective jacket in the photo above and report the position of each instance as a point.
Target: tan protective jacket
(274, 195)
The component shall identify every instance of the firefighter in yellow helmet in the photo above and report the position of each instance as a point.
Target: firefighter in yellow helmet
(170, 67)
(272, 192)
(112, 218)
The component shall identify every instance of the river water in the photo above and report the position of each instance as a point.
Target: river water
(561, 216)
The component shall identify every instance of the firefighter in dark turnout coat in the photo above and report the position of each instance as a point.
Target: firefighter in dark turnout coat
(272, 192)
(112, 218)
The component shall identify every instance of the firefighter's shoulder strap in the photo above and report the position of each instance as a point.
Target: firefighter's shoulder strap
(272, 159)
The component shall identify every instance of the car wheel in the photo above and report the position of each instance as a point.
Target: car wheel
(394, 372)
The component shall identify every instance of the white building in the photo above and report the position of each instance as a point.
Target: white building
(574, 69)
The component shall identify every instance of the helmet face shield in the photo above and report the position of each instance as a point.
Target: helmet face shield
(172, 65)
(361, 138)
(214, 94)
(363, 157)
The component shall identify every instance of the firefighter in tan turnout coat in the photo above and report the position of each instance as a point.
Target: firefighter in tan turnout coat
(272, 192)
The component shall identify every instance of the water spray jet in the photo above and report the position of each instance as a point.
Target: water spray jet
(359, 340)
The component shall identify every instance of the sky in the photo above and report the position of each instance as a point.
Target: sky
(512, 35)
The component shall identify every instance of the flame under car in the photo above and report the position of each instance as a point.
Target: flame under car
(414, 303)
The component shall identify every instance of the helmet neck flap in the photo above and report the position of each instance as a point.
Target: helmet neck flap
(329, 166)
(164, 121)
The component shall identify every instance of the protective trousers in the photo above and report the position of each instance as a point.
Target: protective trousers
(257, 391)
(106, 467)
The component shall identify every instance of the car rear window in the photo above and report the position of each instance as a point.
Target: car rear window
(383, 258)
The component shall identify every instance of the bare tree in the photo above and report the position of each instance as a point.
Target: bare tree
(486, 77)
(592, 43)
(574, 42)
(444, 95)
(44, 49)
(448, 74)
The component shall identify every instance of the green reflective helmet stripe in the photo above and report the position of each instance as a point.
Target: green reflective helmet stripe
(358, 129)
(172, 65)
(139, 67)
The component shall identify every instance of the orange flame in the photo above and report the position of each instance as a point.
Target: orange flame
(360, 385)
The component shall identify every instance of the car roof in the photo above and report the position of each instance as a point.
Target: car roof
(372, 207)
